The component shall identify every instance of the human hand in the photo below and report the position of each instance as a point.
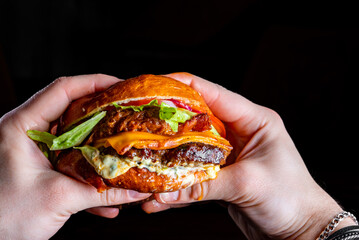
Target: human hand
(269, 188)
(35, 200)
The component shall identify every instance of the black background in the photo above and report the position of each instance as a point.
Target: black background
(299, 58)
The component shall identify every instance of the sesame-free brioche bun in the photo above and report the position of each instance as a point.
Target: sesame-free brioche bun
(193, 151)
(142, 87)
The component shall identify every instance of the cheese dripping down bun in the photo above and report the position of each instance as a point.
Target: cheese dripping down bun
(157, 135)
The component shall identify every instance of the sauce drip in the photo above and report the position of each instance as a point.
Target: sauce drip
(200, 196)
(198, 188)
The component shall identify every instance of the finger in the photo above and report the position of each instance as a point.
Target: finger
(48, 104)
(243, 115)
(77, 196)
(106, 212)
(154, 206)
(114, 196)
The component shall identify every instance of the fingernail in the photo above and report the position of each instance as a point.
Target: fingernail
(169, 197)
(137, 195)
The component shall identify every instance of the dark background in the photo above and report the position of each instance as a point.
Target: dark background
(299, 58)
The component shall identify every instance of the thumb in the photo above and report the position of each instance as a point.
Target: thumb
(224, 187)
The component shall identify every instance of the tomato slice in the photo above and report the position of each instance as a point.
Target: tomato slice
(184, 106)
(138, 102)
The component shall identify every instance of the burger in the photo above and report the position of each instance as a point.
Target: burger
(150, 133)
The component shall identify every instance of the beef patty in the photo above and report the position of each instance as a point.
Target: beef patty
(190, 153)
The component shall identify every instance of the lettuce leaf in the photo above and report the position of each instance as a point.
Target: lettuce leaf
(174, 116)
(69, 139)
(153, 103)
(166, 112)
(43, 137)
(75, 136)
(214, 131)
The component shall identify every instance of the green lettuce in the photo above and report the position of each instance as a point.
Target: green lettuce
(75, 136)
(171, 115)
(69, 139)
(43, 137)
(214, 131)
(153, 103)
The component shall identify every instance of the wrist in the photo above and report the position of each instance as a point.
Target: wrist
(321, 226)
(320, 211)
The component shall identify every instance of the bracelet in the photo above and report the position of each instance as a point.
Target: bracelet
(334, 223)
(346, 233)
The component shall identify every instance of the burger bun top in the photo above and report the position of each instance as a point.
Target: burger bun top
(146, 86)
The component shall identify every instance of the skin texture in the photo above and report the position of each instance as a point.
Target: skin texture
(270, 192)
(268, 188)
(28, 183)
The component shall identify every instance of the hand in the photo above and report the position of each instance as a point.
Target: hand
(269, 188)
(35, 200)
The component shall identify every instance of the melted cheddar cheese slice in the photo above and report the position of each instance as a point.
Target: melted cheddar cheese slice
(122, 142)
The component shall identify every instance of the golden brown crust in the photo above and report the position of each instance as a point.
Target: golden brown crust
(142, 87)
(143, 180)
(73, 164)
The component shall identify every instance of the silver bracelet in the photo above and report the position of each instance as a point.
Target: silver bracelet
(334, 223)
